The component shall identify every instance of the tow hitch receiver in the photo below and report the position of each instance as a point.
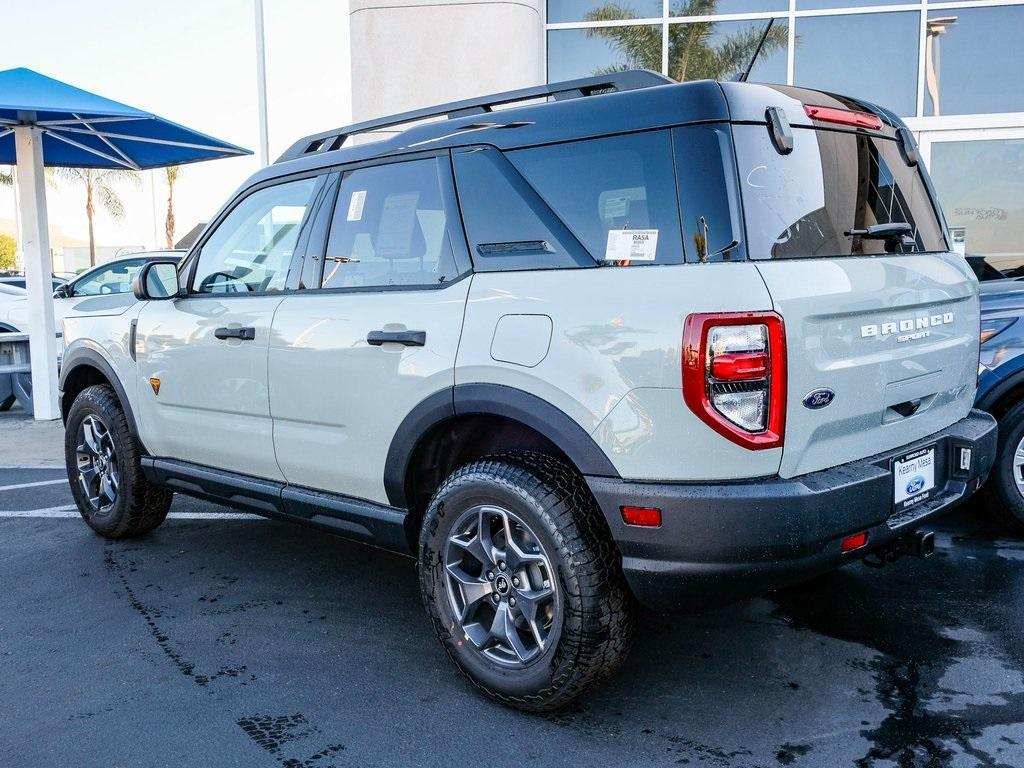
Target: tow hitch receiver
(919, 544)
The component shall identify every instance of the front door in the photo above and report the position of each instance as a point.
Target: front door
(376, 334)
(202, 359)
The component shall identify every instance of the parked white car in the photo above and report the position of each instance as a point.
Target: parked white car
(10, 297)
(105, 289)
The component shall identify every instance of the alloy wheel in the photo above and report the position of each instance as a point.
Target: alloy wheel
(501, 585)
(96, 458)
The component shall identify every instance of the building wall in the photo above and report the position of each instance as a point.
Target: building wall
(414, 53)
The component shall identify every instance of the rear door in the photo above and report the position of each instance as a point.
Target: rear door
(884, 330)
(376, 330)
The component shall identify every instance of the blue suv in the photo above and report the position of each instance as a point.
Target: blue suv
(1001, 388)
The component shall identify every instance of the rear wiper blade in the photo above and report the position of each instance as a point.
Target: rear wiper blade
(894, 230)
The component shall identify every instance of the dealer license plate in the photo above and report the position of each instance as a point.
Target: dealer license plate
(913, 478)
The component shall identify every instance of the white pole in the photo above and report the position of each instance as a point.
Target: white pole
(28, 142)
(261, 85)
(157, 242)
(19, 252)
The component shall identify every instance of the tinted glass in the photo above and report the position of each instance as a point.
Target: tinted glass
(117, 278)
(576, 53)
(803, 204)
(603, 188)
(390, 228)
(718, 50)
(708, 197)
(835, 53)
(508, 225)
(980, 185)
(595, 10)
(708, 7)
(969, 53)
(251, 249)
(810, 5)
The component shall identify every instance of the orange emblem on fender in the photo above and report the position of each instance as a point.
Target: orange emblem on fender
(155, 384)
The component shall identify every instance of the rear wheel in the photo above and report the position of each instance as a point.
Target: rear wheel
(1004, 491)
(102, 458)
(522, 581)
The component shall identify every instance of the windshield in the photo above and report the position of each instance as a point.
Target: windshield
(828, 196)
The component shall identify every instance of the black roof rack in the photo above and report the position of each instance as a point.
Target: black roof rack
(570, 89)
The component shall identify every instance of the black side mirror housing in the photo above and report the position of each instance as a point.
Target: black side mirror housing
(157, 280)
(63, 292)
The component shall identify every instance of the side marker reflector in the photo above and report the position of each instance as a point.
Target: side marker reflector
(646, 517)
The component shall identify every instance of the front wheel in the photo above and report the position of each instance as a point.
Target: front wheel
(522, 581)
(102, 458)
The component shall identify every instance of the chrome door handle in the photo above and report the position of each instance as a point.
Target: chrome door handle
(408, 338)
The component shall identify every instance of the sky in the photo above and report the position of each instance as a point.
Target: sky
(193, 62)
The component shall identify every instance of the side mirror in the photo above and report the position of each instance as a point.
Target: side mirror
(156, 280)
(63, 292)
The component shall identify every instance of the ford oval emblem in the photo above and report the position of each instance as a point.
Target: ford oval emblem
(819, 398)
(916, 484)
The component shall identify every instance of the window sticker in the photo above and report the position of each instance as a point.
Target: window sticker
(355, 205)
(618, 203)
(394, 234)
(631, 245)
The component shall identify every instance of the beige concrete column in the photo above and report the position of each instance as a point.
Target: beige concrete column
(414, 53)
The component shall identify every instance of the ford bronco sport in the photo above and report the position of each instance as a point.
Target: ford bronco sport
(619, 339)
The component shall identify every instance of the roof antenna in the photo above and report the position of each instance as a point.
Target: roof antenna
(757, 51)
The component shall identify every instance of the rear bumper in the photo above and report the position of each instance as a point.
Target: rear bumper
(728, 541)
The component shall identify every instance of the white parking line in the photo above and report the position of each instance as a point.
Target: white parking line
(70, 511)
(32, 485)
(32, 466)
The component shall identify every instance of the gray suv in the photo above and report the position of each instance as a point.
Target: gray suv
(620, 340)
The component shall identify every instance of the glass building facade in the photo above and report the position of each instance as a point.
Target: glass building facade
(951, 69)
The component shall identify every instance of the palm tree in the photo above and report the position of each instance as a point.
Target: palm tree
(99, 185)
(692, 54)
(6, 179)
(172, 178)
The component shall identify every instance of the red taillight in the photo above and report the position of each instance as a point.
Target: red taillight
(734, 375)
(739, 366)
(647, 517)
(843, 117)
(856, 541)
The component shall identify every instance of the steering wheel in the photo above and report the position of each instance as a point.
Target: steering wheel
(106, 289)
(208, 283)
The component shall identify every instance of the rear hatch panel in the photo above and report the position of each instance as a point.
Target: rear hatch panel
(885, 326)
(890, 388)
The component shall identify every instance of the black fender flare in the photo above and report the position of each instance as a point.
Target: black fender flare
(994, 395)
(86, 357)
(493, 400)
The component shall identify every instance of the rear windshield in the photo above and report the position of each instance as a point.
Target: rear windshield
(808, 203)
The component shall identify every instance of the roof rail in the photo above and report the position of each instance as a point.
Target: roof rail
(570, 89)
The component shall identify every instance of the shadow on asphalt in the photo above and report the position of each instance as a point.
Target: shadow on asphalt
(259, 643)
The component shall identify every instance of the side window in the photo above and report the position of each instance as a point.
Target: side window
(708, 193)
(617, 195)
(390, 228)
(251, 249)
(508, 225)
(117, 278)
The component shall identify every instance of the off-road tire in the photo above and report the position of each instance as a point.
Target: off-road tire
(139, 506)
(1003, 501)
(596, 613)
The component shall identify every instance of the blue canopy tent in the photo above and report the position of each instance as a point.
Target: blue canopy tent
(45, 122)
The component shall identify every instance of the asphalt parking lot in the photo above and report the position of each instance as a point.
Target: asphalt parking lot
(228, 640)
